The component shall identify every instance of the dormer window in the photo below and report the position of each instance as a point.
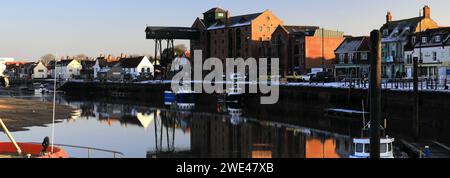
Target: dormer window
(386, 32)
(220, 14)
(437, 39)
(424, 40)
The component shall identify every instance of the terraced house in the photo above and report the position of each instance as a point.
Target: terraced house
(353, 58)
(432, 49)
(395, 36)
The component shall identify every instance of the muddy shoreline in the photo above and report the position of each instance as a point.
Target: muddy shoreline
(18, 114)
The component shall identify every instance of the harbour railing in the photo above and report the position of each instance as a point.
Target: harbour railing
(89, 150)
(400, 83)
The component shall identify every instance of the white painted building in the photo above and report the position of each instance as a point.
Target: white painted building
(3, 61)
(432, 49)
(66, 69)
(40, 71)
(136, 66)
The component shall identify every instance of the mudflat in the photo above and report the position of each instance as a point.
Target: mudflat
(19, 114)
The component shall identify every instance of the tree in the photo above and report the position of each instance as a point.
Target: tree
(47, 58)
(81, 57)
(177, 51)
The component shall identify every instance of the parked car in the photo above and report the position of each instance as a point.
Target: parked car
(322, 77)
(306, 77)
(294, 77)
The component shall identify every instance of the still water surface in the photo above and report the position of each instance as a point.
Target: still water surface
(179, 130)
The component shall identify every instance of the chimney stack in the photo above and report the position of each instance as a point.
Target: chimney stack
(426, 12)
(388, 17)
(228, 16)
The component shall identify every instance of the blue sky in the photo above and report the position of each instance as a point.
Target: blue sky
(30, 28)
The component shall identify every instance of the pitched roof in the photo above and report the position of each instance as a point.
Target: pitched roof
(403, 28)
(65, 62)
(403, 23)
(432, 35)
(87, 63)
(302, 30)
(353, 44)
(236, 21)
(131, 62)
(214, 10)
(102, 61)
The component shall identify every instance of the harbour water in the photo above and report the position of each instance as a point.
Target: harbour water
(146, 129)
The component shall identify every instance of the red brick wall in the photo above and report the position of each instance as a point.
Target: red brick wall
(313, 51)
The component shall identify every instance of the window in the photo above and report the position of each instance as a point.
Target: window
(424, 39)
(260, 28)
(342, 58)
(364, 56)
(434, 56)
(359, 148)
(70, 70)
(350, 58)
(268, 29)
(367, 148)
(383, 148)
(385, 32)
(220, 14)
(40, 70)
(438, 39)
(409, 59)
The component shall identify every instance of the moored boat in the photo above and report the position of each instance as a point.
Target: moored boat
(30, 150)
(362, 144)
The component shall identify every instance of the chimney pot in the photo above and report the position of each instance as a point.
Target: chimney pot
(388, 17)
(426, 12)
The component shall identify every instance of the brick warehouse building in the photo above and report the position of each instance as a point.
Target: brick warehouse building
(225, 36)
(302, 48)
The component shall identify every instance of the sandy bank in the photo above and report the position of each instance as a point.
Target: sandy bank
(19, 114)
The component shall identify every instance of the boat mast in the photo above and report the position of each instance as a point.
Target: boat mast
(54, 108)
(19, 151)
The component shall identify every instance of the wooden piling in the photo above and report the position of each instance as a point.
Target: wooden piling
(416, 97)
(375, 93)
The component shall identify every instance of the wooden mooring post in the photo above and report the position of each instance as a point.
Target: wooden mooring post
(375, 93)
(416, 120)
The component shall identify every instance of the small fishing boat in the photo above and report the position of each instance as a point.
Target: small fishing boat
(235, 93)
(362, 144)
(183, 94)
(28, 150)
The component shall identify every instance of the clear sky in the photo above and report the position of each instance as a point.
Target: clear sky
(31, 28)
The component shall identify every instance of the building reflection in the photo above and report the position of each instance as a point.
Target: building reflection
(233, 136)
(225, 134)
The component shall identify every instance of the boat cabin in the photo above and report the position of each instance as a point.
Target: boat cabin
(362, 148)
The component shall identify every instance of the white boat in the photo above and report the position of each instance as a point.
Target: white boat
(235, 92)
(362, 145)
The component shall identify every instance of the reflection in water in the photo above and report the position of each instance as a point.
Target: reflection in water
(233, 136)
(179, 130)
